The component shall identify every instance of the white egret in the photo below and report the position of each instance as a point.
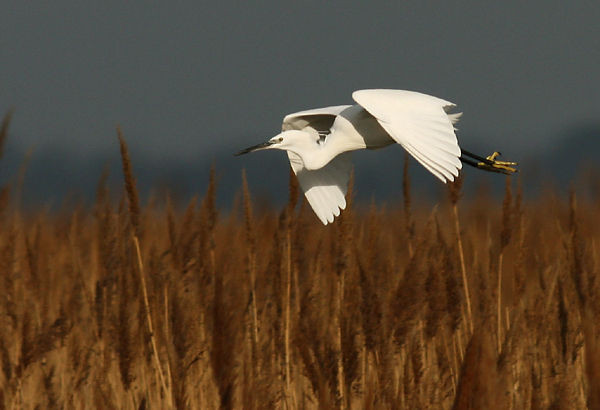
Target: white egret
(318, 142)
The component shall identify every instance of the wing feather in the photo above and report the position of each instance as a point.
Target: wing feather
(318, 118)
(430, 158)
(417, 156)
(324, 188)
(419, 123)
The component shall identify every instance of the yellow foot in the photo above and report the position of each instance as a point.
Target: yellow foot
(504, 167)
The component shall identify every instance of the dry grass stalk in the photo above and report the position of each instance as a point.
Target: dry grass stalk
(229, 304)
(343, 400)
(4, 129)
(343, 256)
(505, 235)
(478, 385)
(130, 188)
(289, 215)
(455, 188)
(592, 359)
(124, 337)
(4, 200)
(348, 293)
(134, 214)
(576, 262)
(410, 227)
(251, 265)
(208, 221)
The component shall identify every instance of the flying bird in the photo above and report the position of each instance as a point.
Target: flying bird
(319, 142)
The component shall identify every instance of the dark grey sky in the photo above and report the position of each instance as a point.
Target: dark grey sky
(191, 79)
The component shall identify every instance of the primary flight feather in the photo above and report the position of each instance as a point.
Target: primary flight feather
(318, 142)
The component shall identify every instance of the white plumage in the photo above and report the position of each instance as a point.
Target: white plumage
(319, 141)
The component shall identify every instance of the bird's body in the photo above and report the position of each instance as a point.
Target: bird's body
(352, 129)
(318, 141)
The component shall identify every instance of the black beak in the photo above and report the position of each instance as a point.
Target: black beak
(254, 148)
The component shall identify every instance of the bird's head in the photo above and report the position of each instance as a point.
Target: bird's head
(287, 140)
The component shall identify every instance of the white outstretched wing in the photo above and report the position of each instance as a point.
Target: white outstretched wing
(318, 118)
(325, 188)
(420, 124)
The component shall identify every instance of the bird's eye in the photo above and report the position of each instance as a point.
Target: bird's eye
(280, 139)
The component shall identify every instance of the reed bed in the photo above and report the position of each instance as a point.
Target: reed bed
(462, 304)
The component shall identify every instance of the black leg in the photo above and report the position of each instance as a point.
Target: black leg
(477, 157)
(488, 164)
(468, 161)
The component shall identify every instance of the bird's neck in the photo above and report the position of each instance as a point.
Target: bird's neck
(314, 156)
(342, 138)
